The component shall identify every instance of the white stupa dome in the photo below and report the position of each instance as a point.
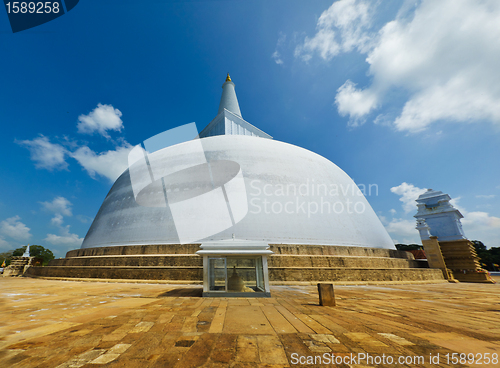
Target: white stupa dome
(293, 196)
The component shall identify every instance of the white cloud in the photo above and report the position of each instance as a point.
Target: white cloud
(66, 238)
(489, 196)
(403, 229)
(323, 42)
(454, 203)
(84, 219)
(15, 229)
(46, 155)
(355, 102)
(277, 58)
(59, 205)
(4, 245)
(384, 120)
(442, 54)
(458, 100)
(476, 220)
(57, 220)
(409, 193)
(101, 119)
(479, 225)
(340, 28)
(110, 164)
(447, 57)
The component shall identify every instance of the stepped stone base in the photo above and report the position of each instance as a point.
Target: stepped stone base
(19, 265)
(469, 276)
(461, 258)
(291, 264)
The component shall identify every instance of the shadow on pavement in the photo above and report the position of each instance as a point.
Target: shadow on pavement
(183, 293)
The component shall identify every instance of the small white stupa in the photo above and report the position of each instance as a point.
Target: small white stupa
(27, 252)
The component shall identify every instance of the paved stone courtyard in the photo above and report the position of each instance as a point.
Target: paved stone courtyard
(50, 323)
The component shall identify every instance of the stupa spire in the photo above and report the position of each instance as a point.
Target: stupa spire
(228, 100)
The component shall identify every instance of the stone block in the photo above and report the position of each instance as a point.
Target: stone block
(326, 295)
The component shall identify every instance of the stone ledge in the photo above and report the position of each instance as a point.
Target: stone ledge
(291, 263)
(284, 274)
(353, 274)
(289, 249)
(340, 283)
(274, 283)
(280, 260)
(127, 281)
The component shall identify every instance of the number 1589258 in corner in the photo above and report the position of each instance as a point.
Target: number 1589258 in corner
(33, 7)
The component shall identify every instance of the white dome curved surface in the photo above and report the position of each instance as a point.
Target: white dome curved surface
(294, 196)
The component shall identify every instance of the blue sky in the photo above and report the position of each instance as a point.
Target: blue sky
(405, 95)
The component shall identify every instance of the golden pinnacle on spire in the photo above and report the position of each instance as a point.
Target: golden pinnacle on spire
(228, 79)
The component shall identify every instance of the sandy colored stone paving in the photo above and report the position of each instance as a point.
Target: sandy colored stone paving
(49, 323)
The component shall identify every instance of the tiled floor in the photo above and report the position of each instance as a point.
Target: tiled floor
(45, 323)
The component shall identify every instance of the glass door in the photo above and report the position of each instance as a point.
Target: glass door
(217, 274)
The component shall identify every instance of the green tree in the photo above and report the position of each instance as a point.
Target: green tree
(409, 246)
(479, 245)
(36, 251)
(495, 258)
(489, 257)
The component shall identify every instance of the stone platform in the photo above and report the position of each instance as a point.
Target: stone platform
(461, 258)
(290, 264)
(19, 265)
(63, 324)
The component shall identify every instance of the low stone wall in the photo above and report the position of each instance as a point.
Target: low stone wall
(124, 250)
(188, 274)
(136, 260)
(273, 261)
(290, 264)
(336, 250)
(359, 275)
(305, 249)
(342, 262)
